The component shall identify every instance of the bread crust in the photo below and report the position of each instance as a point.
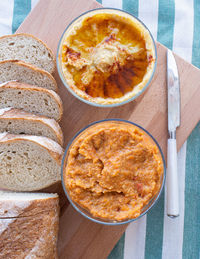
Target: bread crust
(32, 36)
(23, 86)
(32, 67)
(34, 235)
(25, 208)
(17, 114)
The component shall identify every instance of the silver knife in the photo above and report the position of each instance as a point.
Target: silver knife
(173, 122)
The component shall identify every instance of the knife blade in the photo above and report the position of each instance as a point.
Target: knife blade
(174, 101)
(173, 93)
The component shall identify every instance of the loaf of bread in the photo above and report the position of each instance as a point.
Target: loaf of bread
(27, 48)
(17, 121)
(26, 73)
(31, 98)
(28, 163)
(28, 225)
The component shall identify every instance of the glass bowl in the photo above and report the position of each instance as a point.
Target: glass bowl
(85, 212)
(59, 57)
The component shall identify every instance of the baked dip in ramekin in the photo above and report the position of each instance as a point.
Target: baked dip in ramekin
(106, 57)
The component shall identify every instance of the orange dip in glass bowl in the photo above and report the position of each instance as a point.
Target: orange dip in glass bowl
(113, 171)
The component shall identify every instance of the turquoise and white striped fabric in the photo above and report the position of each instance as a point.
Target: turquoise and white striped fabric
(176, 24)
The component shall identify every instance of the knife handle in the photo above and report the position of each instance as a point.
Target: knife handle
(172, 180)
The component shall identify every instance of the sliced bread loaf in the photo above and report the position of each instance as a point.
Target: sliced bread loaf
(26, 73)
(28, 225)
(28, 163)
(31, 99)
(27, 48)
(17, 121)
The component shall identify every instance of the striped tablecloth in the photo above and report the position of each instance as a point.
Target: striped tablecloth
(176, 24)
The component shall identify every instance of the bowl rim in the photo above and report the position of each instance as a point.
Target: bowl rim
(59, 68)
(98, 220)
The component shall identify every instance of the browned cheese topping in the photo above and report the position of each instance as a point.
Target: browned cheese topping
(106, 57)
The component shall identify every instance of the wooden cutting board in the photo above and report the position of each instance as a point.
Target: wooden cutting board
(78, 237)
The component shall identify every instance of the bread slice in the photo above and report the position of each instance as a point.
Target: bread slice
(31, 98)
(27, 48)
(28, 163)
(28, 225)
(26, 73)
(17, 121)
